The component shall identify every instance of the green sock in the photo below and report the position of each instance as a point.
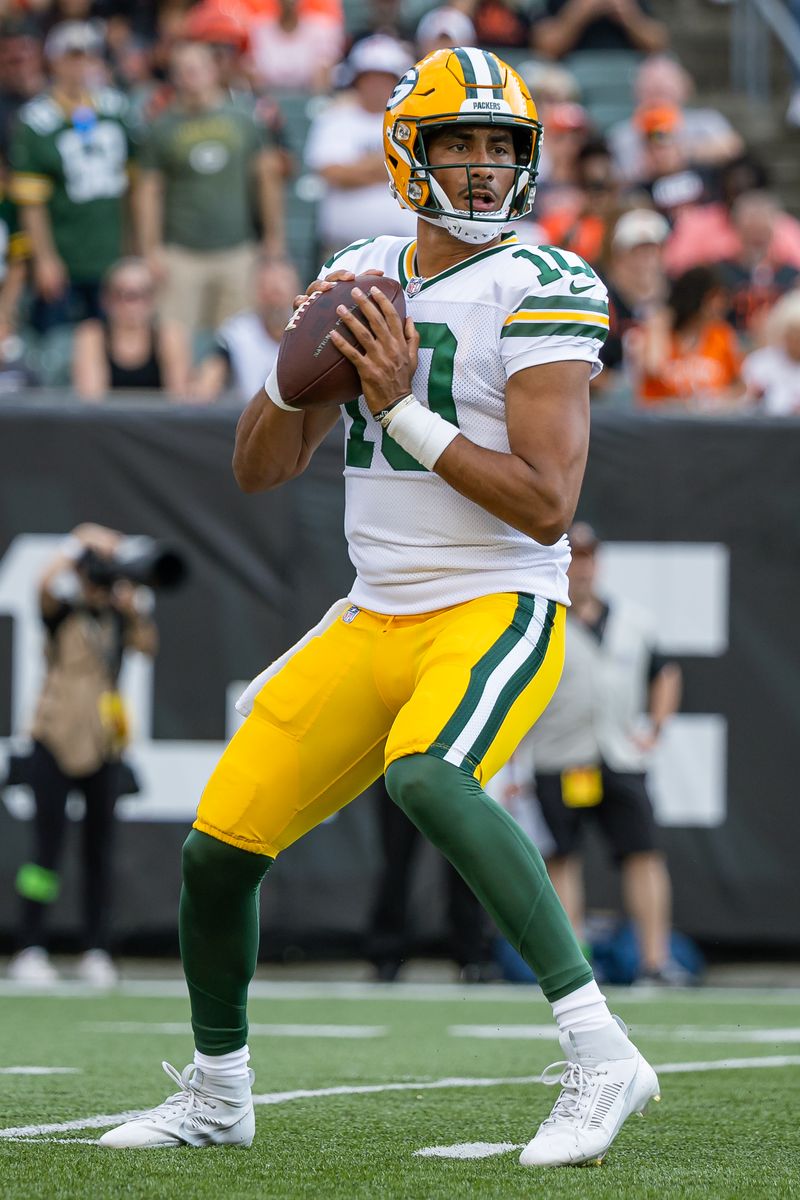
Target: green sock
(501, 865)
(219, 937)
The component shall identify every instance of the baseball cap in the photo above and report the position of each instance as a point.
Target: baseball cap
(639, 227)
(446, 22)
(567, 117)
(378, 53)
(73, 37)
(658, 122)
(211, 22)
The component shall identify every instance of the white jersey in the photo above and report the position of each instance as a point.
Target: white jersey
(417, 544)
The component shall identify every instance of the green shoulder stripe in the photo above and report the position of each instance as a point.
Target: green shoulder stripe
(353, 246)
(575, 303)
(530, 329)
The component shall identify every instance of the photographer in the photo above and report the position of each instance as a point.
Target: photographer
(79, 732)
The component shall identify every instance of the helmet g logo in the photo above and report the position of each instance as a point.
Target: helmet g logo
(404, 87)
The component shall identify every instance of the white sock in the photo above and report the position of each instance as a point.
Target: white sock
(585, 1009)
(224, 1066)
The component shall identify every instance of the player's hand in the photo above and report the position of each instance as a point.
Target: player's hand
(386, 350)
(325, 285)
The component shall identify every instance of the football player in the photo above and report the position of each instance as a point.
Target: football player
(463, 461)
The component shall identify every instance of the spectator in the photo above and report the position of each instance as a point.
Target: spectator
(296, 50)
(583, 229)
(772, 374)
(689, 352)
(500, 23)
(592, 747)
(572, 25)
(637, 284)
(69, 160)
(755, 278)
(345, 147)
(706, 137)
(442, 28)
(128, 348)
(706, 233)
(21, 73)
(672, 180)
(79, 733)
(387, 942)
(247, 343)
(567, 131)
(14, 253)
(194, 207)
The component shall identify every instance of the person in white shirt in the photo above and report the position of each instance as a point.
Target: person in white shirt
(246, 345)
(772, 374)
(345, 148)
(591, 749)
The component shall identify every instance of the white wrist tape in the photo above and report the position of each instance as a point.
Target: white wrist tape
(274, 392)
(422, 433)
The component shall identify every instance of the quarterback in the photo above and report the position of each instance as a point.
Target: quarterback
(464, 457)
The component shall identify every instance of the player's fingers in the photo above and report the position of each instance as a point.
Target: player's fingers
(390, 314)
(412, 343)
(363, 335)
(377, 321)
(343, 346)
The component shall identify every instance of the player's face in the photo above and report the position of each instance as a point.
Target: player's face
(486, 156)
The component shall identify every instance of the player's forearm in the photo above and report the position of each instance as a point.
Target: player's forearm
(665, 695)
(36, 223)
(270, 186)
(557, 35)
(540, 505)
(274, 446)
(646, 34)
(147, 212)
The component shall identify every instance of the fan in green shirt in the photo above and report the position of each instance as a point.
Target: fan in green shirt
(69, 159)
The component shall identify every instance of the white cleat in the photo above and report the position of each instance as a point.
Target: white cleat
(599, 1092)
(33, 968)
(96, 968)
(204, 1112)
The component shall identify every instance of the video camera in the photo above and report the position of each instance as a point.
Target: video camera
(139, 560)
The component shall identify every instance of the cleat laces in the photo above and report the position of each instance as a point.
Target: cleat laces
(577, 1083)
(184, 1102)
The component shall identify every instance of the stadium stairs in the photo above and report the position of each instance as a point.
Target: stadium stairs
(701, 38)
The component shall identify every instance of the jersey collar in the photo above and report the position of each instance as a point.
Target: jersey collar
(406, 267)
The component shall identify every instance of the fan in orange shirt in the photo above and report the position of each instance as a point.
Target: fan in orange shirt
(583, 230)
(689, 353)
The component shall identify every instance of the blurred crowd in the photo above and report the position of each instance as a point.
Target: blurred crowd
(171, 174)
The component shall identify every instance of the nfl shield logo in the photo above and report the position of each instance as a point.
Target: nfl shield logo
(351, 614)
(413, 286)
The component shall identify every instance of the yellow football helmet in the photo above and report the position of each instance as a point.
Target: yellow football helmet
(466, 86)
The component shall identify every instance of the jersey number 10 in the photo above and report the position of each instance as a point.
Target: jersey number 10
(441, 340)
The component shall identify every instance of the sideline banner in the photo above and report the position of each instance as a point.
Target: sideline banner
(701, 520)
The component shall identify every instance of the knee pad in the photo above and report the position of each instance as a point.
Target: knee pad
(207, 862)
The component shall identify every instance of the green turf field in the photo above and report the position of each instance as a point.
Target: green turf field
(422, 1068)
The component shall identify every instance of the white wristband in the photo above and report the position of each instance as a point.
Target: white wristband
(422, 433)
(274, 392)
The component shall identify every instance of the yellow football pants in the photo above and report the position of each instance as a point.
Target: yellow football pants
(464, 684)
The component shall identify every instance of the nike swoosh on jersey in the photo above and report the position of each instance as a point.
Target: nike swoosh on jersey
(576, 291)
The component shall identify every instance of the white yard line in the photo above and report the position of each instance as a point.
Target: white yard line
(467, 1150)
(267, 1098)
(40, 1070)
(264, 989)
(281, 1031)
(680, 1033)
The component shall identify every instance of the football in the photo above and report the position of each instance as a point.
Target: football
(312, 373)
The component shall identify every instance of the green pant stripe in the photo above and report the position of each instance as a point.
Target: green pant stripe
(480, 673)
(512, 690)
